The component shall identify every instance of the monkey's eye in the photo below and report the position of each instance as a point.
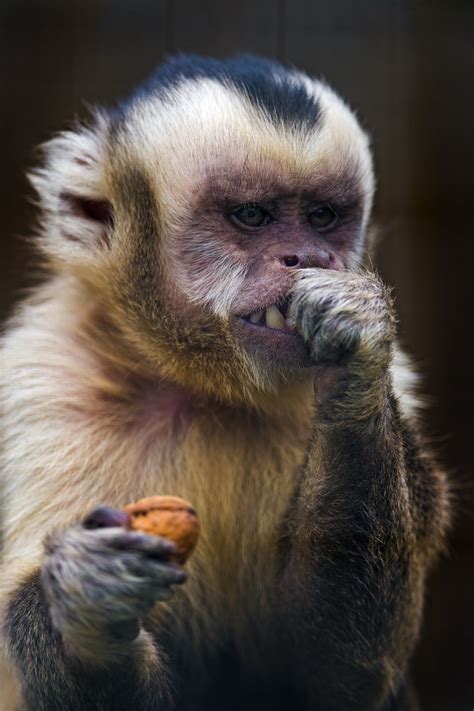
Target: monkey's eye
(251, 215)
(322, 217)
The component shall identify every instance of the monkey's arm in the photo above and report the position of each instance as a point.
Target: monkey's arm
(58, 458)
(53, 680)
(370, 512)
(72, 626)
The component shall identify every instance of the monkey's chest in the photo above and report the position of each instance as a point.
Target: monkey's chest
(241, 492)
(223, 637)
(233, 571)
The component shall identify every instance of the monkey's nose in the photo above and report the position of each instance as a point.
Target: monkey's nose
(322, 259)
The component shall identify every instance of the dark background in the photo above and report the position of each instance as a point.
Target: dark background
(407, 67)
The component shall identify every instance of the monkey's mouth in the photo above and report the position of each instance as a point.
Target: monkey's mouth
(273, 317)
(268, 333)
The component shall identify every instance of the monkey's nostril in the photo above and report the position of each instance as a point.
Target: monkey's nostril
(291, 261)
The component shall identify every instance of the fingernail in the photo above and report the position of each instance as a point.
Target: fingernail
(167, 546)
(106, 517)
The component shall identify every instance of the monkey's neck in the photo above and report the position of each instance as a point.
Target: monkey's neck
(165, 405)
(123, 376)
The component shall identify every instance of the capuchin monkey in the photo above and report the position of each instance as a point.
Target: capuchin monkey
(209, 329)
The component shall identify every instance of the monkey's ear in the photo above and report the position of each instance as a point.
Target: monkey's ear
(76, 215)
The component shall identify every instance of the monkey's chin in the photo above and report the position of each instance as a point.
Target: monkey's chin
(281, 349)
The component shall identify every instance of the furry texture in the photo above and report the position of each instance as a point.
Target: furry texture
(133, 371)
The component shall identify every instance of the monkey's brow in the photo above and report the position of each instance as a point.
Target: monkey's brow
(227, 186)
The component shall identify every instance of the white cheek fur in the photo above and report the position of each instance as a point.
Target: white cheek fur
(215, 278)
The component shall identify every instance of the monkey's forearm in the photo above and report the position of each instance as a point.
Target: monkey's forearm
(52, 679)
(366, 483)
(361, 535)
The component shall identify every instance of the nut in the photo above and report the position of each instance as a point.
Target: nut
(170, 517)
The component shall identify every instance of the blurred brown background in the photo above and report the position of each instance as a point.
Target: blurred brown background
(407, 66)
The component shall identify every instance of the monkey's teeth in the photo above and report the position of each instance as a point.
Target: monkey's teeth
(256, 317)
(274, 319)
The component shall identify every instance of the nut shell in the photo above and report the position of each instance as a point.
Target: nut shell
(167, 516)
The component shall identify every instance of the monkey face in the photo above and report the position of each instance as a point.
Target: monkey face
(222, 190)
(271, 225)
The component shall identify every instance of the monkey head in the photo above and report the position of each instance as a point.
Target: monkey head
(190, 210)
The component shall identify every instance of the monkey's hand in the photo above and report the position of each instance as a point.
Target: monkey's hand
(99, 579)
(347, 320)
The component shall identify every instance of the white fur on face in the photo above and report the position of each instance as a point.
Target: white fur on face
(203, 125)
(217, 279)
(202, 129)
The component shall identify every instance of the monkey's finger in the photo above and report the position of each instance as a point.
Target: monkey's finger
(137, 598)
(170, 574)
(156, 572)
(131, 593)
(143, 543)
(124, 606)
